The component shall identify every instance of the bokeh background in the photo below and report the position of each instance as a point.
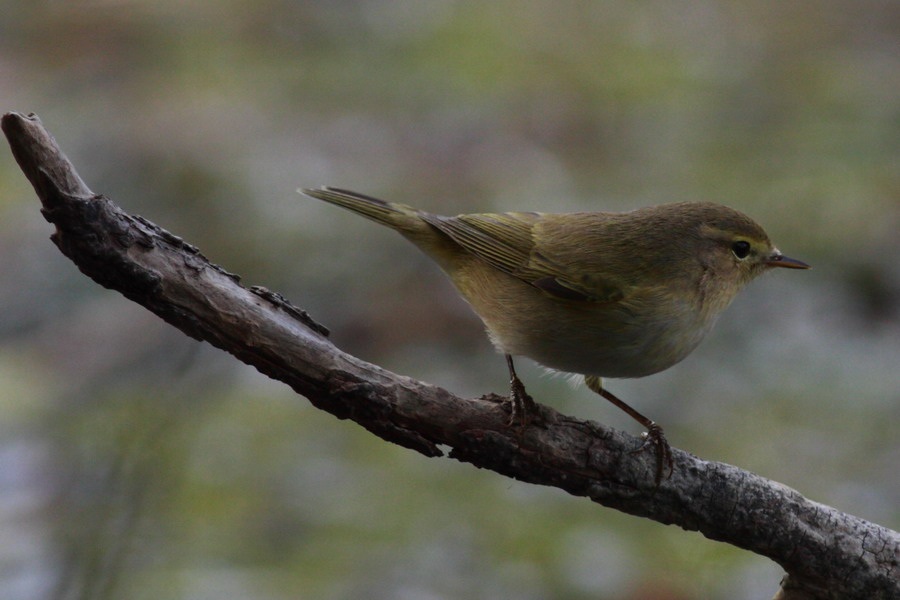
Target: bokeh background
(137, 463)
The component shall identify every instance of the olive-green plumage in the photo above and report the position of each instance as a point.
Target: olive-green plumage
(596, 293)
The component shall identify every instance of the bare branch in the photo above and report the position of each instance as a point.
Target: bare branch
(827, 554)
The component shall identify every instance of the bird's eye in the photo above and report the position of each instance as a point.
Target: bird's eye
(741, 249)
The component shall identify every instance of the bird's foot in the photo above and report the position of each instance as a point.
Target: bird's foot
(665, 464)
(523, 410)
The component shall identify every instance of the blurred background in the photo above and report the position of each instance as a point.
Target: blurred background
(137, 463)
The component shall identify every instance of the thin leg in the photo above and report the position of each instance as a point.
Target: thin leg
(654, 435)
(522, 405)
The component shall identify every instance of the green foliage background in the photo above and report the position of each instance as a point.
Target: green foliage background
(136, 463)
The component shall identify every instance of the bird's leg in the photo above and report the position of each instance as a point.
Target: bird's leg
(522, 406)
(654, 435)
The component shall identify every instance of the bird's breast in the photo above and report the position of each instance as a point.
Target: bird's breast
(641, 335)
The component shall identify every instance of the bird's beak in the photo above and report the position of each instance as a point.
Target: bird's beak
(780, 260)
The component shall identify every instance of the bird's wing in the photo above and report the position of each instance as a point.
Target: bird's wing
(506, 241)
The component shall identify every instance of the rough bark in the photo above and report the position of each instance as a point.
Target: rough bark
(827, 554)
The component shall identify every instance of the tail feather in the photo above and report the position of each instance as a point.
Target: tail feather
(396, 216)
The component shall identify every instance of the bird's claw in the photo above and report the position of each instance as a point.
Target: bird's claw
(654, 436)
(522, 406)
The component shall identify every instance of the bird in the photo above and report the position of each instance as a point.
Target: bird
(596, 294)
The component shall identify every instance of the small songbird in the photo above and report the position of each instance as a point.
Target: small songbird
(600, 294)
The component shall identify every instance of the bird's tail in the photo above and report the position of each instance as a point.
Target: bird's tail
(396, 216)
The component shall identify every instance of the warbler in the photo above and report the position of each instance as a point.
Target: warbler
(600, 294)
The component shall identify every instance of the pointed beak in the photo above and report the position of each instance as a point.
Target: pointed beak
(780, 260)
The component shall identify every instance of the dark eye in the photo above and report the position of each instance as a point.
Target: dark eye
(741, 249)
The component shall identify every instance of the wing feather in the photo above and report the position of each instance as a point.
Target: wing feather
(506, 241)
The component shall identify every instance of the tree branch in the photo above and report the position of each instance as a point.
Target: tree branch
(827, 554)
